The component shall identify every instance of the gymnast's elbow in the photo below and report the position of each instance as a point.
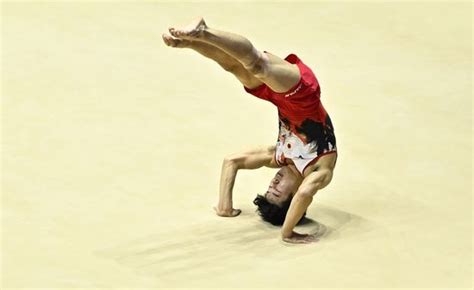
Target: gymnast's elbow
(232, 162)
(306, 192)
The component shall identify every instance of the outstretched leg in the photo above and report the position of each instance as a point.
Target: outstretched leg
(226, 61)
(275, 72)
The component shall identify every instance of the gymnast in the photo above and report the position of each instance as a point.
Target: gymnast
(305, 150)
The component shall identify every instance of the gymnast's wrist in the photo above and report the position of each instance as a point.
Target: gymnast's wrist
(285, 233)
(225, 206)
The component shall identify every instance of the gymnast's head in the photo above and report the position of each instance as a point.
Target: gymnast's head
(273, 206)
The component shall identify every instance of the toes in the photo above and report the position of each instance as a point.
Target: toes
(166, 39)
(176, 32)
(172, 41)
(172, 31)
(169, 41)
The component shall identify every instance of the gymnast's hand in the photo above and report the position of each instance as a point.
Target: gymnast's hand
(227, 213)
(296, 238)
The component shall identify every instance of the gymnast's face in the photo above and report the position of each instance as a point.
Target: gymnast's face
(283, 185)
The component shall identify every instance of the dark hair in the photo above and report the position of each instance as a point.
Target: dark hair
(273, 213)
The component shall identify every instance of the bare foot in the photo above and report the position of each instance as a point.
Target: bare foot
(193, 30)
(174, 42)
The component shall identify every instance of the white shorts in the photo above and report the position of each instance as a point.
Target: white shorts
(290, 146)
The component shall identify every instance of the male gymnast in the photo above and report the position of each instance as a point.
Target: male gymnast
(305, 151)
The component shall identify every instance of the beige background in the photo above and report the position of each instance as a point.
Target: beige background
(112, 145)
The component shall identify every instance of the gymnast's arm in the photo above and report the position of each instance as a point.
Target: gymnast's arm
(303, 197)
(251, 159)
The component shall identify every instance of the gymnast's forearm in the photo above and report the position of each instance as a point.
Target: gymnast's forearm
(249, 159)
(312, 183)
(298, 206)
(228, 175)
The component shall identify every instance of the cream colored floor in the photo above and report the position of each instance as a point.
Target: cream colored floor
(112, 145)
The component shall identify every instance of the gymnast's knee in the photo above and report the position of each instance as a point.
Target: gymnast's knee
(258, 65)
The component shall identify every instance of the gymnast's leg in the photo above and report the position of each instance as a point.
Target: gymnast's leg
(226, 61)
(275, 72)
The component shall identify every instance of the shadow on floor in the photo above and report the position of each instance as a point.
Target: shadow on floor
(218, 242)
